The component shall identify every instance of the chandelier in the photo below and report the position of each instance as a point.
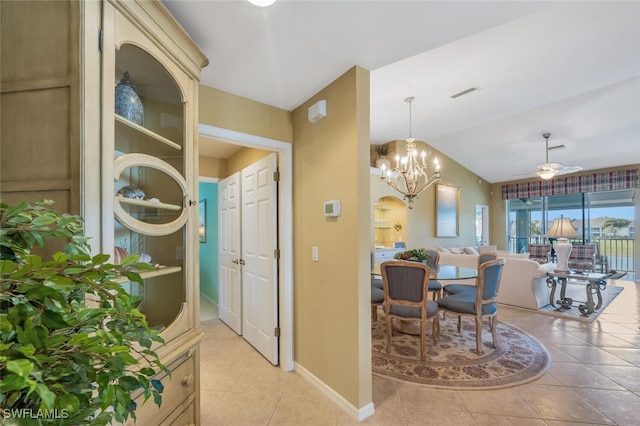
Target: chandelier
(410, 175)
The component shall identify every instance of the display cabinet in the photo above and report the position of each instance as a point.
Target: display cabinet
(150, 70)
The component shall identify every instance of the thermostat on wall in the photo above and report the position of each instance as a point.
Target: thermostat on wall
(332, 208)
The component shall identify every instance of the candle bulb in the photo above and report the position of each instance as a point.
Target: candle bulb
(437, 163)
(424, 158)
(397, 160)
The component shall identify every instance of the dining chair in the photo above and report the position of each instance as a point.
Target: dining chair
(450, 289)
(433, 260)
(406, 297)
(377, 296)
(479, 304)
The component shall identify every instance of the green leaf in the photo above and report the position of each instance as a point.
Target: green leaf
(38, 336)
(21, 367)
(53, 320)
(11, 382)
(46, 396)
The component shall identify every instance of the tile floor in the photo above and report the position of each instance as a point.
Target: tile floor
(594, 379)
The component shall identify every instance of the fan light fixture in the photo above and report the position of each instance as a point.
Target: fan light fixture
(262, 3)
(410, 177)
(549, 170)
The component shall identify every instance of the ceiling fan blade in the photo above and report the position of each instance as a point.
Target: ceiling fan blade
(569, 169)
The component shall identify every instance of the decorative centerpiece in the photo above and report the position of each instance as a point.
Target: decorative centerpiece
(414, 255)
(128, 103)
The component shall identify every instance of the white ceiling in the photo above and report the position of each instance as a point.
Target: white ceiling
(569, 68)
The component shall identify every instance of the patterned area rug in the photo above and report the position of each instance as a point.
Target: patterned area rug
(453, 362)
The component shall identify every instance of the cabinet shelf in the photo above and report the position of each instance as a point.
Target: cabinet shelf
(145, 275)
(145, 203)
(131, 137)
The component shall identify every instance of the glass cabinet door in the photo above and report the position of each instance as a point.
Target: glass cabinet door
(151, 205)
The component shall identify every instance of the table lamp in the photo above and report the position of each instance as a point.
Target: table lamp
(561, 229)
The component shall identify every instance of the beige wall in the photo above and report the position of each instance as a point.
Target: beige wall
(243, 158)
(421, 220)
(231, 112)
(212, 167)
(332, 296)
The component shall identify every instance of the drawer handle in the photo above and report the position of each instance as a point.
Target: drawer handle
(188, 380)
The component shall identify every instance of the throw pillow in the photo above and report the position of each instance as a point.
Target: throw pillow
(514, 255)
(471, 250)
(456, 250)
(487, 249)
(443, 249)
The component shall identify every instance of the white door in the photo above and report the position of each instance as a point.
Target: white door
(229, 234)
(259, 269)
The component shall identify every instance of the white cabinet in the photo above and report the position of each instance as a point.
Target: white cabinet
(149, 185)
(382, 255)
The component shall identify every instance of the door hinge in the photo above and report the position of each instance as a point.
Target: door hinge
(276, 254)
(100, 39)
(276, 176)
(276, 332)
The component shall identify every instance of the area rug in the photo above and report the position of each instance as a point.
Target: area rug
(453, 362)
(579, 296)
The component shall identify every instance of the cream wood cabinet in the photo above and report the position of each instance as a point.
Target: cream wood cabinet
(149, 186)
(61, 139)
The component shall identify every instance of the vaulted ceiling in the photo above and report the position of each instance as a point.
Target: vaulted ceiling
(569, 68)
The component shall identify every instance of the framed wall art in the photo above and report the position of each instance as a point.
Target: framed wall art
(447, 210)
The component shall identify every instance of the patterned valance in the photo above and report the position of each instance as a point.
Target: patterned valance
(574, 184)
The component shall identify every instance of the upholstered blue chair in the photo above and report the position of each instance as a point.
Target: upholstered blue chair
(406, 297)
(450, 289)
(433, 260)
(479, 304)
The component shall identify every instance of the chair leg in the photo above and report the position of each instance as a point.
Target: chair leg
(435, 329)
(494, 323)
(389, 332)
(374, 313)
(423, 338)
(479, 335)
(459, 323)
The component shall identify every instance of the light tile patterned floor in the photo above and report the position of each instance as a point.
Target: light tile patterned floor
(594, 379)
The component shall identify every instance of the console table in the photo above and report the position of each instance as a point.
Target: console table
(594, 283)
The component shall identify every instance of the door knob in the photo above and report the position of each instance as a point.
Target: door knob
(235, 261)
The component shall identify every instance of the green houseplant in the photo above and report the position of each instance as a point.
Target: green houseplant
(413, 255)
(64, 360)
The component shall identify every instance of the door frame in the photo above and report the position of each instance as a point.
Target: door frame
(285, 228)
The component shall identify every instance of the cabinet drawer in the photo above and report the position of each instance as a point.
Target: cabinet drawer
(384, 255)
(185, 418)
(177, 389)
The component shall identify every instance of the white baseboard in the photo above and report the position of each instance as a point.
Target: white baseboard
(209, 300)
(357, 413)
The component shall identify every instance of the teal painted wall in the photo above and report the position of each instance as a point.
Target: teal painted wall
(209, 250)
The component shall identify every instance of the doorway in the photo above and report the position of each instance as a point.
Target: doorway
(285, 230)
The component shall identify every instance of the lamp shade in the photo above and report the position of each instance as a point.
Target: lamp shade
(561, 228)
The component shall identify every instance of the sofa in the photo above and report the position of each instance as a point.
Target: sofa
(523, 283)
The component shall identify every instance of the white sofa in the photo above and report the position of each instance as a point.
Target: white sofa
(523, 282)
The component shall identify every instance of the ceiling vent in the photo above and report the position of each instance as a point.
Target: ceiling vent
(465, 92)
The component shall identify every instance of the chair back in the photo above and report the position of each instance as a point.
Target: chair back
(539, 252)
(488, 283)
(433, 258)
(405, 282)
(486, 257)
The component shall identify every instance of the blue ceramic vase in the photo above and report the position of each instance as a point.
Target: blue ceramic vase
(128, 103)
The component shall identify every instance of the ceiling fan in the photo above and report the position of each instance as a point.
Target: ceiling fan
(548, 170)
